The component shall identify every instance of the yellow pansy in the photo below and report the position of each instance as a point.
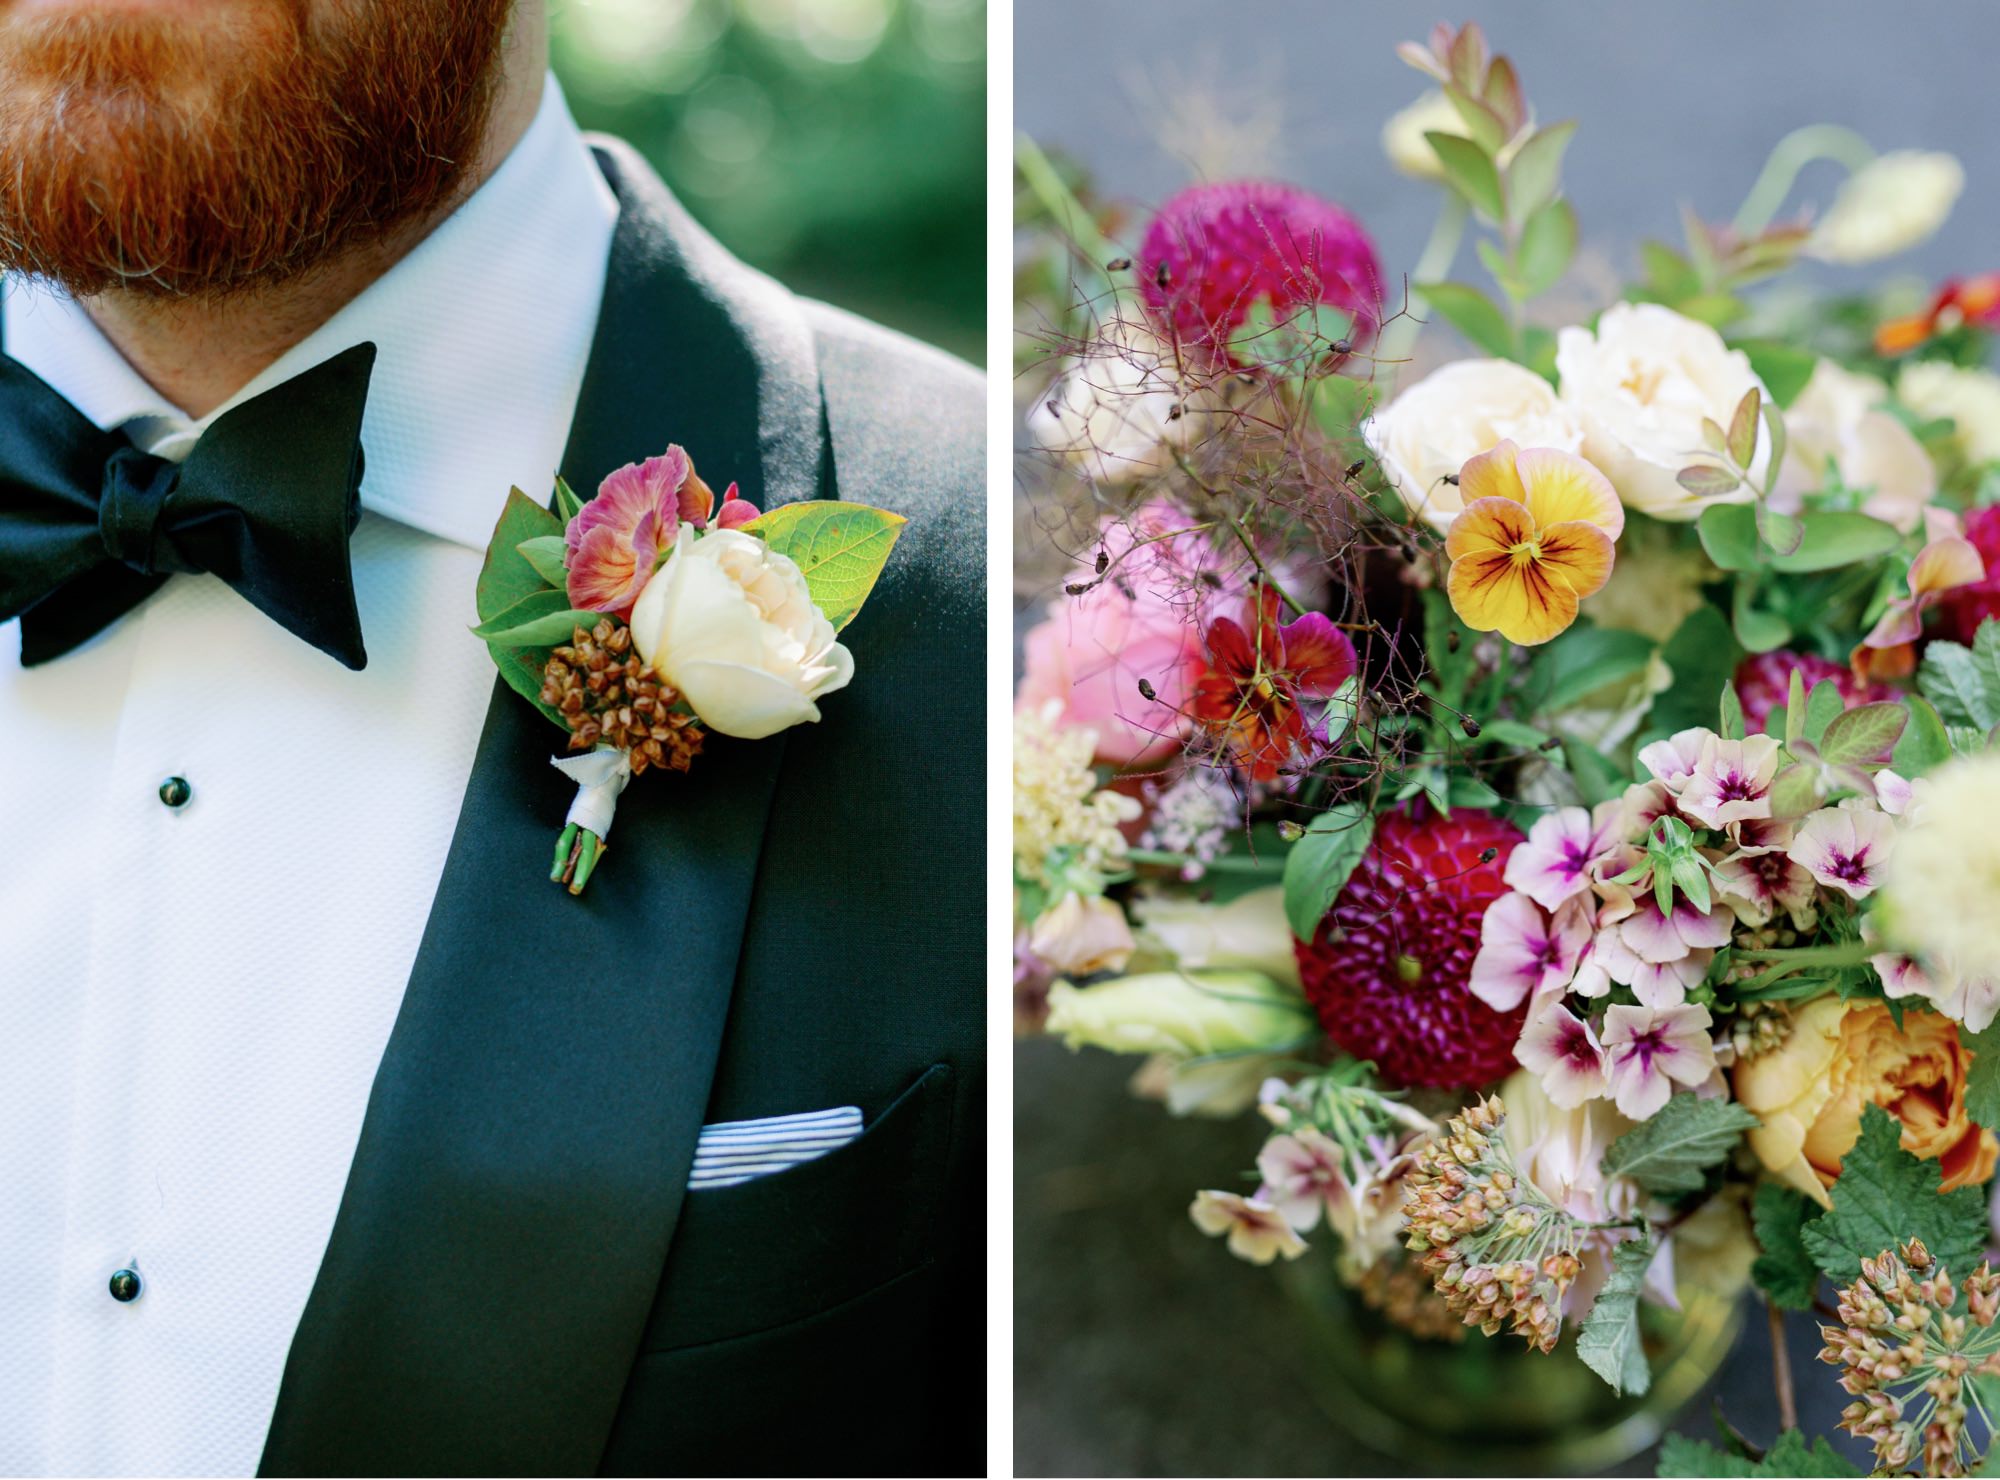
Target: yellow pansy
(1535, 539)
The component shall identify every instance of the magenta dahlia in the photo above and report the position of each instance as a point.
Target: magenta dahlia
(1962, 610)
(1764, 682)
(1215, 250)
(1387, 970)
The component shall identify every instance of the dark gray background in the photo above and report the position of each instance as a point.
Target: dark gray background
(1142, 1348)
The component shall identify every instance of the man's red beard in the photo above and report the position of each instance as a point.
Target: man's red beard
(197, 157)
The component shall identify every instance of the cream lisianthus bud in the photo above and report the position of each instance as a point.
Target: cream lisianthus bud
(731, 624)
(1431, 429)
(1641, 384)
(1187, 1014)
(1888, 206)
(1081, 934)
(1250, 932)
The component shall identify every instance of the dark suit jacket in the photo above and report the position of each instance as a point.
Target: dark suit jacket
(518, 1281)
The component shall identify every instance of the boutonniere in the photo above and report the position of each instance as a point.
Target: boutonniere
(653, 613)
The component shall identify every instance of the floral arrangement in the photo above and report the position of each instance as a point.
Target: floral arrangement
(1552, 789)
(654, 612)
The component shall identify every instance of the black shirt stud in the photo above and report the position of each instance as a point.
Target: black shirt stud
(176, 792)
(125, 1286)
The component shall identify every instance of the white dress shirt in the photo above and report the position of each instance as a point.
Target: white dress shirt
(193, 1003)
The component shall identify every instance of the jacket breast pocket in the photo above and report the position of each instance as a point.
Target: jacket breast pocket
(788, 1246)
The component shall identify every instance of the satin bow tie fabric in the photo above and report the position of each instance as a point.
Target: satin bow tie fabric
(90, 525)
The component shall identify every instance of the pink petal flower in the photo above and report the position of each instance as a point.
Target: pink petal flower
(1656, 937)
(1843, 847)
(1731, 781)
(1757, 885)
(1304, 1176)
(1256, 1231)
(1553, 866)
(1522, 951)
(1673, 760)
(615, 540)
(1559, 1048)
(1662, 984)
(1650, 1050)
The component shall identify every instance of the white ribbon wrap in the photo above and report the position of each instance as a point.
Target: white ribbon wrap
(599, 776)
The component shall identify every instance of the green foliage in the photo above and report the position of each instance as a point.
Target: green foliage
(507, 579)
(1924, 743)
(1672, 1152)
(1608, 1341)
(545, 553)
(1784, 1270)
(1534, 174)
(1827, 539)
(1583, 660)
(1964, 682)
(840, 548)
(1886, 1197)
(543, 619)
(1789, 1456)
(1982, 1081)
(1784, 368)
(1473, 314)
(1703, 654)
(1321, 862)
(1469, 170)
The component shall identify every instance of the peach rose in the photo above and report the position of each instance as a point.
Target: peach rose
(1844, 1055)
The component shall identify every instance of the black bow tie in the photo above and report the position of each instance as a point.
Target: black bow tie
(90, 526)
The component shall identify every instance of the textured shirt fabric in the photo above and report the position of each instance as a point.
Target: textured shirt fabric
(193, 1002)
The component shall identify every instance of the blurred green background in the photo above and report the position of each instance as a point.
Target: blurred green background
(840, 145)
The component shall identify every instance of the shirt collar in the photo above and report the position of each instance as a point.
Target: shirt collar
(482, 334)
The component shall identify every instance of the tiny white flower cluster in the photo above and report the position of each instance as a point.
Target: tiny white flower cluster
(1063, 824)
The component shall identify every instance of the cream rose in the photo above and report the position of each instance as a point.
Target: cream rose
(1427, 433)
(1838, 419)
(1111, 412)
(730, 623)
(1971, 398)
(1640, 386)
(1888, 206)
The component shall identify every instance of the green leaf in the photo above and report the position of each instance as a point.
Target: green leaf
(1596, 778)
(1470, 170)
(1742, 438)
(1321, 862)
(545, 553)
(1781, 534)
(507, 576)
(1671, 274)
(1729, 535)
(1866, 735)
(1784, 368)
(1705, 480)
(1473, 314)
(1924, 743)
(1535, 172)
(1952, 680)
(1482, 123)
(541, 620)
(1585, 659)
(1884, 1198)
(1774, 429)
(1702, 654)
(1982, 1080)
(1788, 1458)
(1340, 404)
(1670, 1152)
(1730, 726)
(1608, 1341)
(1759, 631)
(839, 547)
(568, 505)
(1784, 1271)
(1548, 242)
(1822, 704)
(1834, 538)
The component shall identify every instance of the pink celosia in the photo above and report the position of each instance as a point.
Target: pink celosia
(1560, 1049)
(1216, 250)
(1731, 782)
(1523, 952)
(1651, 1050)
(1552, 866)
(613, 544)
(1844, 847)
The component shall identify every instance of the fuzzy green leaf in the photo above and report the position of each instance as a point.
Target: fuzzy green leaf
(568, 505)
(839, 547)
(1884, 1198)
(1952, 681)
(1704, 480)
(541, 620)
(1470, 171)
(1670, 1152)
(1548, 242)
(1730, 725)
(1321, 862)
(1788, 1458)
(1729, 535)
(1863, 735)
(1822, 704)
(1742, 438)
(1982, 1080)
(507, 576)
(1834, 538)
(1473, 314)
(1535, 172)
(1784, 1270)
(1924, 743)
(1608, 1340)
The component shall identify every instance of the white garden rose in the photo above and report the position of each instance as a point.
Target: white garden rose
(1888, 206)
(1427, 432)
(1932, 388)
(1111, 411)
(1838, 419)
(1641, 385)
(730, 623)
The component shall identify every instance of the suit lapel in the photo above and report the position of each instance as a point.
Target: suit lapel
(521, 1165)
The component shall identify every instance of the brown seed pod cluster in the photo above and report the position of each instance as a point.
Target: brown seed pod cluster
(608, 697)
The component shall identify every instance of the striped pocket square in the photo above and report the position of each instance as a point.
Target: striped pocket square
(732, 1151)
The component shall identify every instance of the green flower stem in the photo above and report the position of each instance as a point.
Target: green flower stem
(1045, 184)
(1792, 154)
(1846, 953)
(577, 853)
(1228, 863)
(564, 845)
(1433, 265)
